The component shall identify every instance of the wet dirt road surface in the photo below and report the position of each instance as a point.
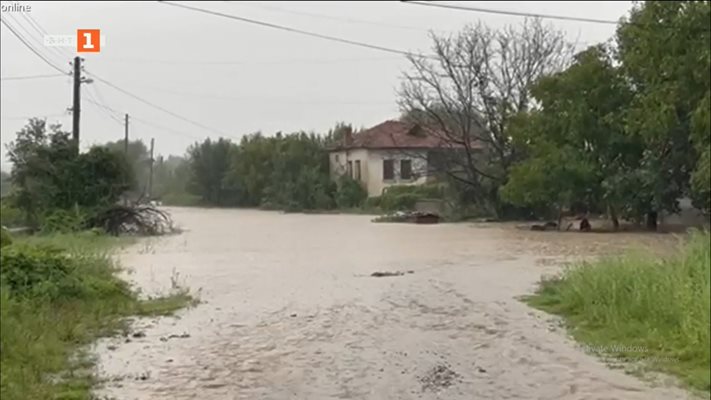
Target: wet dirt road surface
(290, 311)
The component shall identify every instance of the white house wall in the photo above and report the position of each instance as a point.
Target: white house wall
(371, 162)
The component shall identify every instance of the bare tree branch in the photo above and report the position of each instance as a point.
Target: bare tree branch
(477, 82)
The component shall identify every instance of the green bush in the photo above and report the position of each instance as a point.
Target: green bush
(400, 202)
(404, 197)
(638, 301)
(59, 293)
(350, 193)
(372, 202)
(63, 221)
(5, 238)
(10, 216)
(46, 272)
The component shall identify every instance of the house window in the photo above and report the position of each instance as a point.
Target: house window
(357, 170)
(350, 169)
(337, 158)
(388, 170)
(406, 169)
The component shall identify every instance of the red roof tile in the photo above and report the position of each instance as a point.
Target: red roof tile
(395, 134)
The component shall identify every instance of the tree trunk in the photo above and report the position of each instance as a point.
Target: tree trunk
(652, 221)
(560, 216)
(613, 217)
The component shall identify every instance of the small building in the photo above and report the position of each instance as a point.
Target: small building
(390, 153)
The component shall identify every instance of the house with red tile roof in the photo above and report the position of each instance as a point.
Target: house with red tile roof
(390, 153)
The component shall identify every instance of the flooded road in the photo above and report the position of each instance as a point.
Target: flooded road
(290, 311)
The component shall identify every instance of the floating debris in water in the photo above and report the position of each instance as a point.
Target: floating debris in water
(381, 274)
(439, 377)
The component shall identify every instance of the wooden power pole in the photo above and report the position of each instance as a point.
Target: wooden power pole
(125, 136)
(150, 174)
(77, 102)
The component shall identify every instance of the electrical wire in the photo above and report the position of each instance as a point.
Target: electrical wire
(32, 49)
(104, 110)
(253, 99)
(328, 17)
(294, 30)
(165, 128)
(45, 116)
(24, 77)
(142, 120)
(64, 53)
(274, 62)
(513, 13)
(157, 107)
(38, 41)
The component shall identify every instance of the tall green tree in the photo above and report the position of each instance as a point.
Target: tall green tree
(580, 122)
(170, 177)
(251, 167)
(5, 184)
(664, 53)
(48, 174)
(300, 175)
(209, 163)
(138, 157)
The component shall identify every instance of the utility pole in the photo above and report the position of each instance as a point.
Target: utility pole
(76, 104)
(150, 175)
(125, 138)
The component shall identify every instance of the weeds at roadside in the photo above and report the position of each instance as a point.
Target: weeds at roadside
(639, 310)
(60, 293)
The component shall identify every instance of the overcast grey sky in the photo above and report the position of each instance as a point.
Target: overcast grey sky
(237, 77)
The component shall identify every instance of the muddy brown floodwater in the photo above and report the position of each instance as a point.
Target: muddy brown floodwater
(290, 311)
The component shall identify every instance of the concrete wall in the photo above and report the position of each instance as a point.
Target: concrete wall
(371, 162)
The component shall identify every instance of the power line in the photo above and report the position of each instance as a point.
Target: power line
(18, 78)
(253, 99)
(32, 49)
(102, 108)
(270, 62)
(42, 32)
(154, 125)
(126, 92)
(30, 36)
(329, 17)
(45, 116)
(33, 24)
(514, 13)
(294, 30)
(141, 120)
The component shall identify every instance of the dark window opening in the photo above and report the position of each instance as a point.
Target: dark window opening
(388, 170)
(350, 169)
(357, 170)
(406, 169)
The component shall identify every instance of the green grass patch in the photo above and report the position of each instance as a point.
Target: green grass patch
(59, 293)
(637, 308)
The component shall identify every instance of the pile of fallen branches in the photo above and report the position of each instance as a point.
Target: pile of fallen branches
(134, 220)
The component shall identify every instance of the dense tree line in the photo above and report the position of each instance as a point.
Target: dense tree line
(282, 172)
(625, 127)
(622, 128)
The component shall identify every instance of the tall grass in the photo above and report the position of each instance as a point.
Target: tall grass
(640, 308)
(58, 294)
